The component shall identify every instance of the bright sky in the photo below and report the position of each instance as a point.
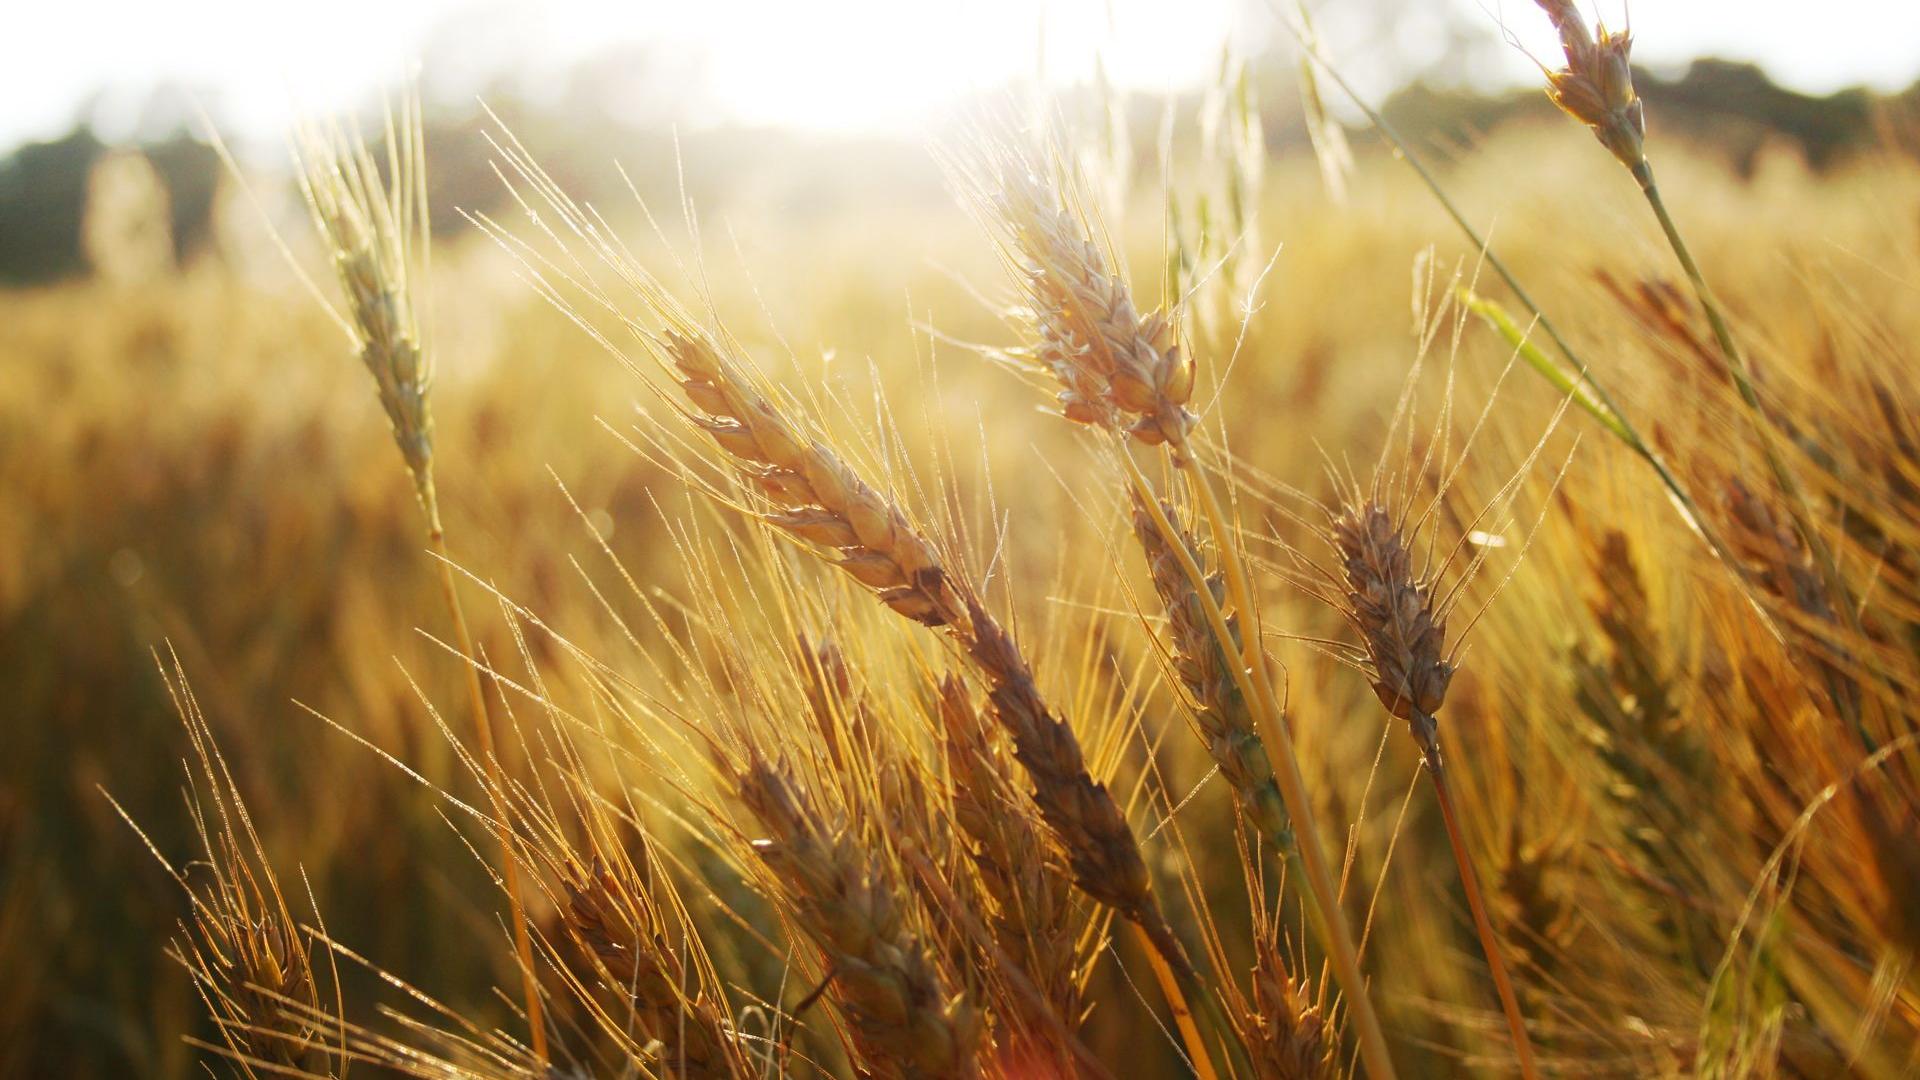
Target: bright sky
(823, 64)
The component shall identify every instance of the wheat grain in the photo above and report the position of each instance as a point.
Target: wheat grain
(906, 1019)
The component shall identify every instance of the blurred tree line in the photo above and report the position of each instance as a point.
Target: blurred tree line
(44, 186)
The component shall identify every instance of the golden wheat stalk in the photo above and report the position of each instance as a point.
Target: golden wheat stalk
(240, 945)
(1596, 89)
(1226, 720)
(375, 230)
(818, 498)
(812, 495)
(1032, 918)
(613, 921)
(1403, 637)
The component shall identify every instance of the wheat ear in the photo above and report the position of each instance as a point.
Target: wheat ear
(906, 1021)
(376, 233)
(1032, 918)
(816, 497)
(1126, 375)
(1403, 637)
(1203, 667)
(613, 921)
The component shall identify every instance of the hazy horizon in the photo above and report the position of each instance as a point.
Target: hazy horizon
(842, 66)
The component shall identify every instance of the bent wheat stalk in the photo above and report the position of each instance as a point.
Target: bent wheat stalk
(1596, 89)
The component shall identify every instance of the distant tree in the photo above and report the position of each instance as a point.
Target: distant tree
(43, 197)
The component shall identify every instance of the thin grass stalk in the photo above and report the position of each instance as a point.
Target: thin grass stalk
(1624, 428)
(1740, 369)
(1596, 89)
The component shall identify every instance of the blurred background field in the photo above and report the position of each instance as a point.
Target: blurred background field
(189, 458)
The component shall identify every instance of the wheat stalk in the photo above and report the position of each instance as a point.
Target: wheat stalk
(1032, 918)
(818, 498)
(240, 945)
(1596, 88)
(1126, 375)
(1403, 637)
(376, 233)
(612, 920)
(1203, 667)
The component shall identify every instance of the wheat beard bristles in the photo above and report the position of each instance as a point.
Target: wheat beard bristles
(819, 498)
(1220, 709)
(1032, 915)
(904, 1019)
(823, 501)
(619, 930)
(1117, 370)
(1394, 612)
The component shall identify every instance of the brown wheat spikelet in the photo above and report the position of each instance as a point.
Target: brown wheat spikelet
(1291, 1039)
(1532, 905)
(1226, 723)
(613, 921)
(838, 712)
(820, 499)
(816, 495)
(376, 228)
(905, 1018)
(1393, 610)
(1032, 919)
(1117, 369)
(1081, 812)
(1596, 86)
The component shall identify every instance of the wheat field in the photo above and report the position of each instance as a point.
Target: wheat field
(1047, 617)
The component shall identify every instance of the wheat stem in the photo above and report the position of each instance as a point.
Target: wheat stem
(1489, 943)
(1176, 1001)
(496, 779)
(1323, 899)
(1683, 501)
